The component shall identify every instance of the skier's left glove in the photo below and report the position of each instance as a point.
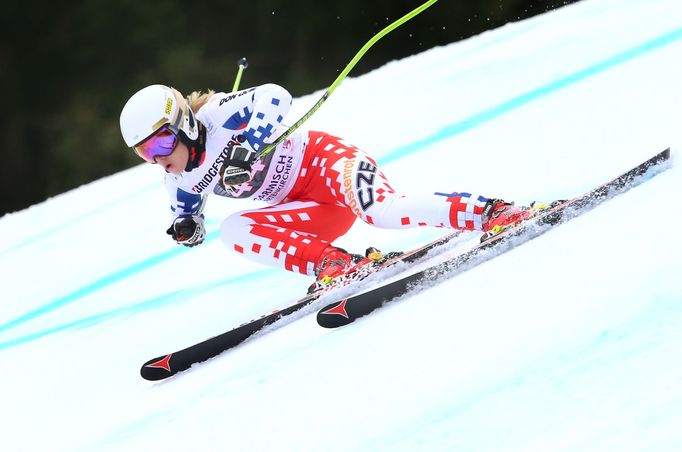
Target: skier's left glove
(237, 167)
(188, 231)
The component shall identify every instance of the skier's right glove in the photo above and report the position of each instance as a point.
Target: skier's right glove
(237, 167)
(188, 231)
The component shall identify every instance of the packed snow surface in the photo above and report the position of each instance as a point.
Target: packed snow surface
(572, 341)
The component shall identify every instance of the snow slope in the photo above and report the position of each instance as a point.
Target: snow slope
(570, 342)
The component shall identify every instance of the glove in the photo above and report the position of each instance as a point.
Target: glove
(188, 231)
(237, 167)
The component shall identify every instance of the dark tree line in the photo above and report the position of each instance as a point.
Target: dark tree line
(66, 70)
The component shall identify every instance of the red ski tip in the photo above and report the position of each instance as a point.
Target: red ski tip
(339, 309)
(163, 363)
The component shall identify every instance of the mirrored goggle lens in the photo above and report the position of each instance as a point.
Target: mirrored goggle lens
(160, 144)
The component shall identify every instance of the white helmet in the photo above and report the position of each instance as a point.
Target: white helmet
(153, 107)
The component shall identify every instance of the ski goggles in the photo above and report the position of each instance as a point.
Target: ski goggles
(161, 144)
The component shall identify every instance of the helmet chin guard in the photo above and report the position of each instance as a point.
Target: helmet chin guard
(152, 108)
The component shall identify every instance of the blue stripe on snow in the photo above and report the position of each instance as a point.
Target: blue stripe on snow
(514, 103)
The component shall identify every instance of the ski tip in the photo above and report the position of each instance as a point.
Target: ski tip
(656, 160)
(662, 156)
(157, 368)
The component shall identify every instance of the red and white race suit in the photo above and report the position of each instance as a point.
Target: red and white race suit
(317, 185)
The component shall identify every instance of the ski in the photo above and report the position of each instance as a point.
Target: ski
(349, 309)
(165, 366)
(168, 365)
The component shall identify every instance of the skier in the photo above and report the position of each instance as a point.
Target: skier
(316, 184)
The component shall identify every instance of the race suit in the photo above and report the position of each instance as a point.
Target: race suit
(317, 185)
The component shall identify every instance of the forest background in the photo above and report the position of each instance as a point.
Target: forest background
(67, 68)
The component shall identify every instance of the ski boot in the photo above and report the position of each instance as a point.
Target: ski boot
(500, 215)
(336, 264)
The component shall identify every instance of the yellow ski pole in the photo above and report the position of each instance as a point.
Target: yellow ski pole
(344, 73)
